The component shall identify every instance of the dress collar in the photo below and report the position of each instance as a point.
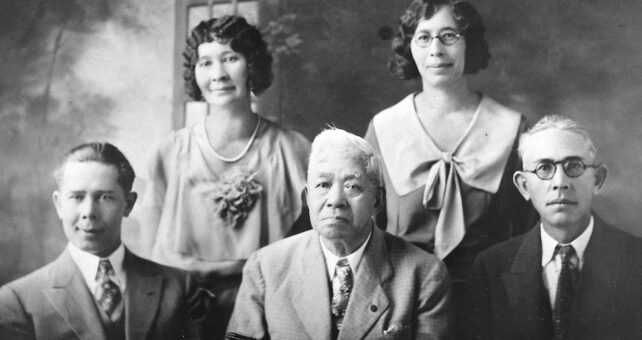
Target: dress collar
(480, 155)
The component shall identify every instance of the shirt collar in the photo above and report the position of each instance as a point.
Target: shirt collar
(88, 265)
(354, 259)
(579, 244)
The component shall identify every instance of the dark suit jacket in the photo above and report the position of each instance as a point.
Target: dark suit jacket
(509, 301)
(54, 302)
(285, 293)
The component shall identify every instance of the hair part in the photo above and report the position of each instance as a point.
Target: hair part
(469, 22)
(101, 152)
(353, 147)
(555, 122)
(243, 38)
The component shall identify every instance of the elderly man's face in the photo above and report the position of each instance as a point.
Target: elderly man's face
(341, 198)
(562, 200)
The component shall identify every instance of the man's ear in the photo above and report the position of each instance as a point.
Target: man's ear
(380, 199)
(519, 179)
(56, 201)
(600, 178)
(130, 199)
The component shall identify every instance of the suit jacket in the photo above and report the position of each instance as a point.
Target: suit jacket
(398, 288)
(509, 301)
(54, 302)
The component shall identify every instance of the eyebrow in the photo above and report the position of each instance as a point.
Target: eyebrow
(424, 30)
(352, 175)
(563, 159)
(96, 192)
(347, 176)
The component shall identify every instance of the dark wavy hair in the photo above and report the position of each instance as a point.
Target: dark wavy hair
(101, 152)
(468, 20)
(243, 38)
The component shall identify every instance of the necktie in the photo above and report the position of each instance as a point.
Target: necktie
(107, 293)
(564, 294)
(341, 288)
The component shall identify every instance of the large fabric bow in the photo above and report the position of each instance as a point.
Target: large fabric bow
(412, 160)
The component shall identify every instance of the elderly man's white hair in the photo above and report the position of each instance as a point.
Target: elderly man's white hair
(338, 141)
(555, 122)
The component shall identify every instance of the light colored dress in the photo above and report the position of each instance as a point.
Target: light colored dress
(456, 203)
(187, 181)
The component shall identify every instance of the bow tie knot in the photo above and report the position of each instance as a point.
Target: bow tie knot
(447, 157)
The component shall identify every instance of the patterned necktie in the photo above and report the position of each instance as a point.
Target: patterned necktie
(341, 288)
(107, 293)
(565, 286)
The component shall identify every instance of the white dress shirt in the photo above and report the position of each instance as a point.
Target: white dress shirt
(552, 263)
(354, 259)
(88, 265)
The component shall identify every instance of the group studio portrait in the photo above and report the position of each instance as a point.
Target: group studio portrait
(200, 116)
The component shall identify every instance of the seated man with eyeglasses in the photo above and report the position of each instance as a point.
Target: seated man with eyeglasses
(570, 277)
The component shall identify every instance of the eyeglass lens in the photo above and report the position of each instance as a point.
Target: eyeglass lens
(572, 167)
(446, 37)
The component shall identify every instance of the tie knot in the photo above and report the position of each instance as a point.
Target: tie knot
(104, 269)
(565, 251)
(343, 270)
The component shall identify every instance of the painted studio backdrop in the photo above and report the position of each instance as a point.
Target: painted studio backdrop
(79, 70)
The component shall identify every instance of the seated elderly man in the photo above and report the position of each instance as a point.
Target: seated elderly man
(344, 279)
(572, 276)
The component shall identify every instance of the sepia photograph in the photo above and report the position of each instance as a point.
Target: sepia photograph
(320, 169)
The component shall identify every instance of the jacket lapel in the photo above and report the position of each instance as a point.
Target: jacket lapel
(524, 285)
(368, 300)
(71, 298)
(602, 269)
(144, 286)
(312, 299)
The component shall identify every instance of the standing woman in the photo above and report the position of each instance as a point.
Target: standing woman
(449, 152)
(232, 183)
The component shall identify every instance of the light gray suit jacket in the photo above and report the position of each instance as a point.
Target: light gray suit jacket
(400, 292)
(54, 302)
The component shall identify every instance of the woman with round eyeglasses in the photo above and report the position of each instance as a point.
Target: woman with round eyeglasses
(449, 152)
(231, 183)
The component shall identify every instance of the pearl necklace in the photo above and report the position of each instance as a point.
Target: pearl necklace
(245, 150)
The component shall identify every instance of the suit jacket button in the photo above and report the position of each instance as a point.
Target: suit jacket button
(373, 308)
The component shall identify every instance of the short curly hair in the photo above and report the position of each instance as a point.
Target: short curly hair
(243, 38)
(468, 20)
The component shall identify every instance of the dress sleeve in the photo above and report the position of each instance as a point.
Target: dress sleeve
(153, 199)
(512, 210)
(156, 175)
